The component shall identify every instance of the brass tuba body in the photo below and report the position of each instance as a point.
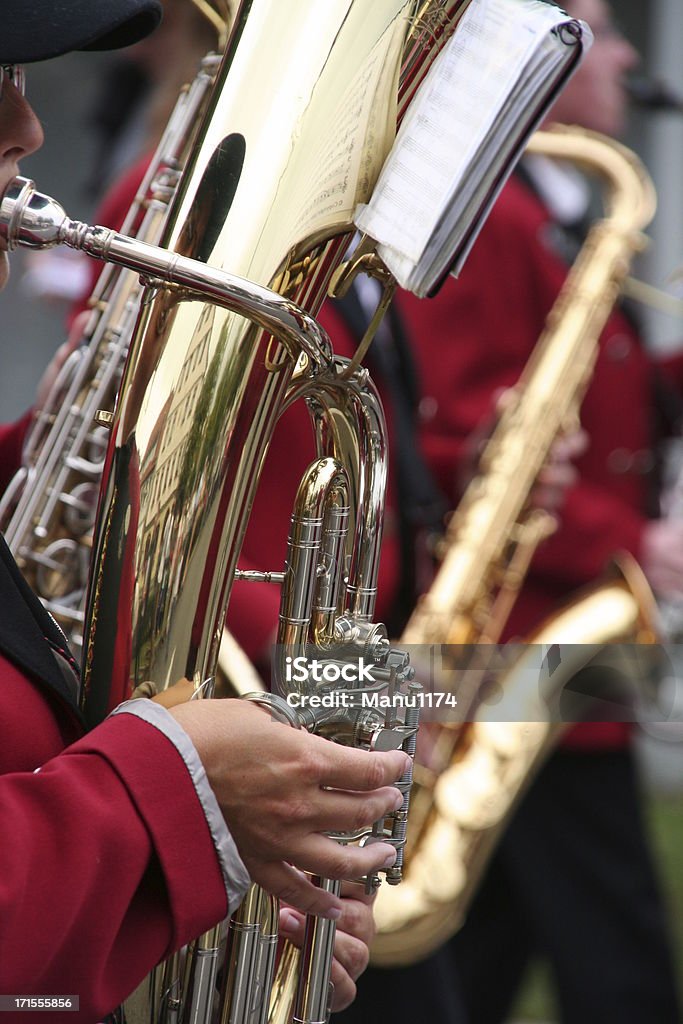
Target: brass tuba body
(301, 117)
(303, 111)
(486, 758)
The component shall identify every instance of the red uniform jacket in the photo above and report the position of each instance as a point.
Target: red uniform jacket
(101, 875)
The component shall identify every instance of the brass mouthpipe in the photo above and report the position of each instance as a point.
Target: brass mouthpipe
(32, 219)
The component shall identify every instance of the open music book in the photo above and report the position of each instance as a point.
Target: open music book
(463, 133)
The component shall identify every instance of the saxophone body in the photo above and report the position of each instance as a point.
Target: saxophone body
(484, 760)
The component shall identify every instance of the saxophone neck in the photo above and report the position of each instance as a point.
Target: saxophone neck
(630, 199)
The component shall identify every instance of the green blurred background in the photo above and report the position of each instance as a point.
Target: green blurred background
(664, 804)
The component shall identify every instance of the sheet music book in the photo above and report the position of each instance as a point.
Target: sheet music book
(463, 133)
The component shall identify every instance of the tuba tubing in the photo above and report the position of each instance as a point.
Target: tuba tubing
(35, 221)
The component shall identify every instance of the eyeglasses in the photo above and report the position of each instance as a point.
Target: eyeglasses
(15, 74)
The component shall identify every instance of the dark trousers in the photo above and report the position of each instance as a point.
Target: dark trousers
(425, 993)
(573, 882)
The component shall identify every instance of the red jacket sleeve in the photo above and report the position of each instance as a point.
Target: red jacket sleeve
(101, 876)
(12, 436)
(603, 524)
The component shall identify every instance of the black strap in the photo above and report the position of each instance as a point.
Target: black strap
(28, 635)
(421, 506)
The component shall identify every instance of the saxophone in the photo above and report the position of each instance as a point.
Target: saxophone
(47, 514)
(302, 114)
(457, 813)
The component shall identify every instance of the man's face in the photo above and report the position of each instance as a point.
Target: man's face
(596, 97)
(20, 134)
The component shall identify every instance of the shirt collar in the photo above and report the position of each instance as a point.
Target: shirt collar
(562, 188)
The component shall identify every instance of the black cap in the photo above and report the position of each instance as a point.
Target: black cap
(32, 30)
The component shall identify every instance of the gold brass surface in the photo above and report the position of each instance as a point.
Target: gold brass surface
(273, 175)
(304, 108)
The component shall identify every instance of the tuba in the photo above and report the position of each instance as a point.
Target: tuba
(301, 116)
(486, 758)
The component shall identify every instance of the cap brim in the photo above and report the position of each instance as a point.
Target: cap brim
(48, 28)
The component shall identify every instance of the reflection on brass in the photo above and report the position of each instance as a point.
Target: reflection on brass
(432, 19)
(218, 13)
